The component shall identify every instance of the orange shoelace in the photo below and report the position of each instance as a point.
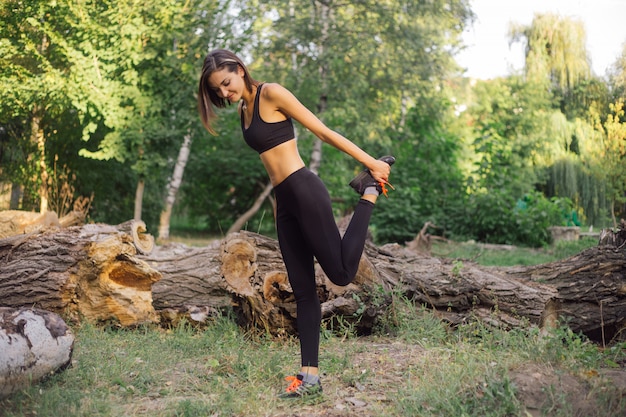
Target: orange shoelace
(295, 383)
(385, 190)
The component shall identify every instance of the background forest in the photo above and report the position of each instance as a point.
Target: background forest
(98, 101)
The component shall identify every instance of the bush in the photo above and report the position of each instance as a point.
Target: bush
(496, 217)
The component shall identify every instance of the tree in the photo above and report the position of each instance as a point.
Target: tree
(117, 81)
(557, 62)
(617, 75)
(360, 66)
(611, 160)
(555, 50)
(173, 79)
(34, 86)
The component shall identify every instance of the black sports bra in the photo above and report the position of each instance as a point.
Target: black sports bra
(262, 136)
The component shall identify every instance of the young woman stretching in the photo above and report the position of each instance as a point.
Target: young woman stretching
(304, 219)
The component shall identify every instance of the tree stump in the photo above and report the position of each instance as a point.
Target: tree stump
(33, 344)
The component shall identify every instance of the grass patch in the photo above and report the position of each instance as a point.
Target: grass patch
(420, 367)
(503, 255)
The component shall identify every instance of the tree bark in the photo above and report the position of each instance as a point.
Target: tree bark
(91, 272)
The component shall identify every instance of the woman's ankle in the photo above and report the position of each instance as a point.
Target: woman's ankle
(370, 197)
(309, 370)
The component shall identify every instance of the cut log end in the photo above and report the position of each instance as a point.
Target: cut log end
(276, 288)
(239, 265)
(34, 343)
(143, 242)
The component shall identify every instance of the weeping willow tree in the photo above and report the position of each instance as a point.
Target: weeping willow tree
(569, 177)
(570, 168)
(556, 58)
(555, 50)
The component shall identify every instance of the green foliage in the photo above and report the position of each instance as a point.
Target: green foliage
(569, 177)
(611, 163)
(574, 351)
(496, 217)
(357, 64)
(115, 81)
(555, 50)
(228, 178)
(509, 118)
(429, 183)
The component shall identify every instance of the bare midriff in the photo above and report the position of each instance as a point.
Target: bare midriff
(282, 161)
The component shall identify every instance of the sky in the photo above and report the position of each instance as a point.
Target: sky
(488, 54)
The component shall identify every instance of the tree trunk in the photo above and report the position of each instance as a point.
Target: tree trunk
(37, 137)
(141, 184)
(324, 19)
(241, 221)
(16, 196)
(172, 189)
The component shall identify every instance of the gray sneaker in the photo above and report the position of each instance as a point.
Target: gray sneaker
(300, 388)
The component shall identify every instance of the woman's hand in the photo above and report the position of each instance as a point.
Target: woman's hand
(380, 171)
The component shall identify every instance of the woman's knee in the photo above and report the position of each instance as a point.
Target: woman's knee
(341, 278)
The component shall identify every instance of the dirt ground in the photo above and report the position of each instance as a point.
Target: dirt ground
(546, 388)
(543, 391)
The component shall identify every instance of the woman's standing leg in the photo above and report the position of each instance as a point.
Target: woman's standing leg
(298, 259)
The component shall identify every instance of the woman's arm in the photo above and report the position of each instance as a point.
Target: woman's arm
(286, 103)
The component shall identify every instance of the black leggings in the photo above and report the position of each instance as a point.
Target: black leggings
(306, 228)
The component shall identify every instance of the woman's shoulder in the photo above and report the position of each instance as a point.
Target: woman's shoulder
(278, 95)
(273, 90)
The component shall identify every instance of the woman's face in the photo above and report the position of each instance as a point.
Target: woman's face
(228, 85)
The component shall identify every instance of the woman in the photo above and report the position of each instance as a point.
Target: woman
(304, 219)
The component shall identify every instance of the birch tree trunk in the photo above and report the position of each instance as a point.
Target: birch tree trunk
(316, 153)
(139, 199)
(174, 185)
(38, 137)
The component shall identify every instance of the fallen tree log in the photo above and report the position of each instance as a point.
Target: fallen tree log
(255, 280)
(96, 271)
(591, 286)
(253, 269)
(90, 271)
(191, 286)
(33, 345)
(16, 222)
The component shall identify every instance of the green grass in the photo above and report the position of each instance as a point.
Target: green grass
(416, 367)
(493, 255)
